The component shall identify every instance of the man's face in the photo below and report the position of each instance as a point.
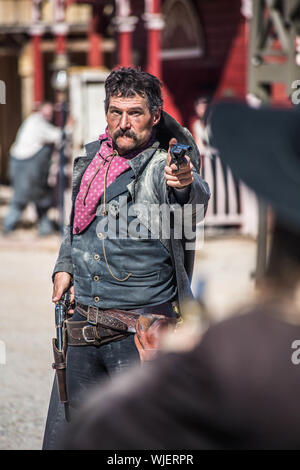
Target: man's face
(200, 109)
(47, 111)
(130, 122)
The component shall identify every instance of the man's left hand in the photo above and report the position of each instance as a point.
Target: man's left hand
(178, 178)
(149, 336)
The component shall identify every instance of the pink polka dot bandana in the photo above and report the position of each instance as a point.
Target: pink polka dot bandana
(93, 180)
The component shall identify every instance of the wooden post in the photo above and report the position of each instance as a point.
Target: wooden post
(38, 77)
(154, 24)
(37, 31)
(125, 25)
(95, 56)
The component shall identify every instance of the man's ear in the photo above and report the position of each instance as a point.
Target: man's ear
(156, 116)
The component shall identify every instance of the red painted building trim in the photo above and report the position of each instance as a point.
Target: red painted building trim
(60, 44)
(154, 51)
(125, 46)
(234, 73)
(156, 6)
(94, 54)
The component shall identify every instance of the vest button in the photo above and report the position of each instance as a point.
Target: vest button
(114, 208)
(96, 299)
(96, 278)
(96, 256)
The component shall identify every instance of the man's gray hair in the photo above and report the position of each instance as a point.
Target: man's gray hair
(127, 82)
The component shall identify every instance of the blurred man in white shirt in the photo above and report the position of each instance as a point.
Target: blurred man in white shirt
(30, 158)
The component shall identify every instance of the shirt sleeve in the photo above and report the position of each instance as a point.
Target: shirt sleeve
(182, 194)
(64, 261)
(50, 134)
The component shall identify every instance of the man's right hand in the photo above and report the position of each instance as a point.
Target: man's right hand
(62, 282)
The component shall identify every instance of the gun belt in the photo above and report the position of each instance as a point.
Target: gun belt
(102, 326)
(82, 333)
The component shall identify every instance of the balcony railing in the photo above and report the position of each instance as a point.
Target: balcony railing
(19, 13)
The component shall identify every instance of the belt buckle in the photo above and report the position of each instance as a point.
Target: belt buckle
(87, 340)
(93, 309)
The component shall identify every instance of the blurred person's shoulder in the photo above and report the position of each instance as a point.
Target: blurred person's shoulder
(32, 120)
(261, 318)
(255, 338)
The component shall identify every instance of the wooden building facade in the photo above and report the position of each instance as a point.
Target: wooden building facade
(194, 46)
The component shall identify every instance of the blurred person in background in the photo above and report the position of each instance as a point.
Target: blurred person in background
(30, 159)
(199, 130)
(239, 387)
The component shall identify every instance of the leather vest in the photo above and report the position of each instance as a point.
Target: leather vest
(120, 271)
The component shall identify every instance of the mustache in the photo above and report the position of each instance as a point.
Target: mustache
(126, 133)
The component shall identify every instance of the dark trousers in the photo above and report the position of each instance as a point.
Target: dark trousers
(87, 366)
(29, 179)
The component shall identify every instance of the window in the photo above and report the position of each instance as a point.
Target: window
(182, 36)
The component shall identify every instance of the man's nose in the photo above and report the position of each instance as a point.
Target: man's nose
(125, 123)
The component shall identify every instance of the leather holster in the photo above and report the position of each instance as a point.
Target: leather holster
(60, 367)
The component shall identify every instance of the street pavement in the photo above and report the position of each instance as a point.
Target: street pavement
(26, 328)
(27, 325)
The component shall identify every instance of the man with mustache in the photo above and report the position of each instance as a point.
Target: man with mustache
(123, 284)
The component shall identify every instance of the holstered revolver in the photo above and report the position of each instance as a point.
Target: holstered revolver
(60, 348)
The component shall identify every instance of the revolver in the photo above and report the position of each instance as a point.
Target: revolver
(61, 309)
(178, 152)
(59, 351)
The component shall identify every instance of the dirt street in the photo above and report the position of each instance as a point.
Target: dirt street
(27, 321)
(26, 327)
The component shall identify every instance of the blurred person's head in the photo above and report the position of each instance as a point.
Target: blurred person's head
(262, 148)
(133, 106)
(202, 107)
(47, 110)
